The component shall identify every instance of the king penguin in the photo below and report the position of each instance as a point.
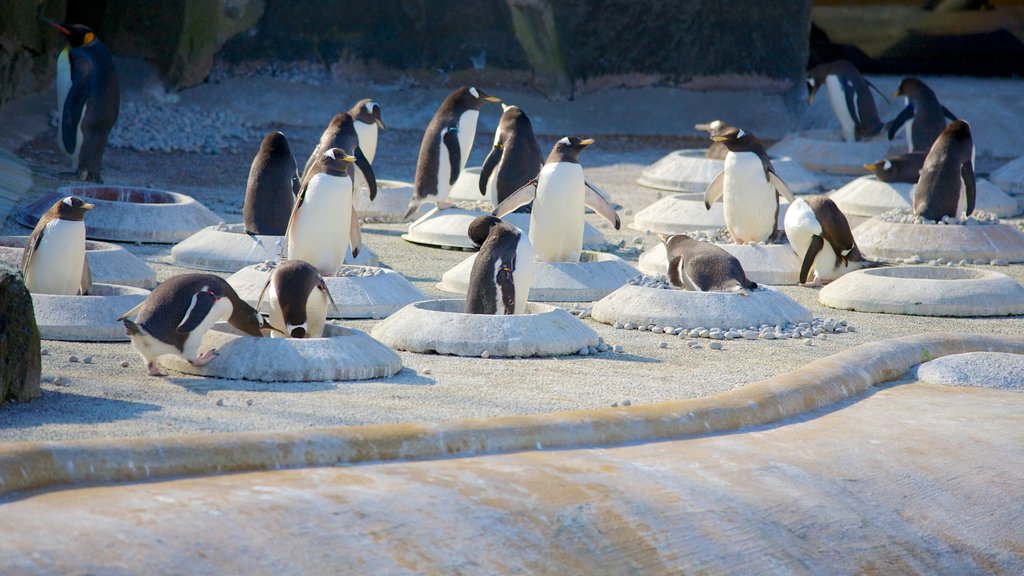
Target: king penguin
(850, 96)
(446, 145)
(559, 194)
(704, 267)
(923, 118)
(947, 174)
(503, 270)
(341, 133)
(54, 259)
(298, 299)
(820, 235)
(88, 99)
(748, 187)
(322, 224)
(270, 191)
(515, 158)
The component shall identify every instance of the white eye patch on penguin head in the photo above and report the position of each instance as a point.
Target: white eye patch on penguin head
(887, 165)
(740, 134)
(474, 92)
(565, 141)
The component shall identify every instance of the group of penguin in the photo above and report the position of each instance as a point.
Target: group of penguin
(316, 213)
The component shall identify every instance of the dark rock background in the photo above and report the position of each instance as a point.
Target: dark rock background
(20, 359)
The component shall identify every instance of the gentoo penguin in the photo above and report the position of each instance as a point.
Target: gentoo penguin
(270, 191)
(298, 299)
(704, 267)
(949, 162)
(902, 168)
(341, 133)
(366, 113)
(323, 222)
(923, 117)
(515, 158)
(178, 312)
(748, 188)
(559, 194)
(446, 145)
(820, 234)
(503, 271)
(717, 151)
(850, 96)
(54, 259)
(88, 99)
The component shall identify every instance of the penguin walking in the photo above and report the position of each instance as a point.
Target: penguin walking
(446, 145)
(270, 191)
(717, 150)
(748, 187)
(704, 267)
(298, 299)
(850, 96)
(503, 271)
(341, 134)
(515, 158)
(54, 259)
(923, 118)
(323, 224)
(948, 174)
(88, 99)
(559, 194)
(820, 234)
(178, 312)
(903, 168)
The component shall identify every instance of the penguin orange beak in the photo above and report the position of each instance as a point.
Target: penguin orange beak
(88, 206)
(492, 99)
(719, 138)
(379, 123)
(348, 158)
(870, 167)
(586, 142)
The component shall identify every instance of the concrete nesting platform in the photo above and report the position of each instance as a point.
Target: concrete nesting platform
(1002, 370)
(227, 248)
(130, 214)
(447, 228)
(899, 242)
(343, 354)
(867, 196)
(367, 292)
(826, 151)
(441, 326)
(91, 318)
(926, 291)
(691, 171)
(390, 204)
(762, 263)
(596, 275)
(682, 213)
(108, 263)
(1010, 177)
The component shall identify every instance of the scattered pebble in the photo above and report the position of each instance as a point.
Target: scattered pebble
(808, 342)
(427, 372)
(715, 345)
(248, 402)
(662, 344)
(87, 360)
(57, 381)
(905, 216)
(618, 349)
(485, 354)
(44, 351)
(72, 359)
(124, 364)
(627, 402)
(584, 351)
(220, 402)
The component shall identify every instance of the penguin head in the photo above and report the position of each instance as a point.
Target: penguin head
(336, 161)
(480, 228)
(568, 149)
(714, 128)
(910, 87)
(294, 281)
(473, 98)
(814, 81)
(72, 208)
(275, 143)
(367, 111)
(883, 169)
(738, 140)
(77, 34)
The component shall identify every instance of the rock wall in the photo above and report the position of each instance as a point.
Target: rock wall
(28, 47)
(20, 360)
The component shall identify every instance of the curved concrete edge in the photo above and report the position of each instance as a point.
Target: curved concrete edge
(773, 264)
(448, 228)
(29, 466)
(825, 151)
(1010, 177)
(681, 213)
(108, 263)
(90, 318)
(692, 171)
(893, 241)
(390, 204)
(868, 196)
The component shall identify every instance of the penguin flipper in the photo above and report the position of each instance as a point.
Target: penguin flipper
(202, 303)
(355, 237)
(948, 114)
(364, 166)
(898, 122)
(131, 312)
(490, 163)
(30, 250)
(675, 267)
(86, 284)
(812, 252)
(715, 190)
(323, 286)
(521, 197)
(781, 187)
(970, 187)
(851, 103)
(263, 292)
(597, 202)
(74, 104)
(451, 141)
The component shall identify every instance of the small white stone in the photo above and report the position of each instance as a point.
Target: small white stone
(715, 345)
(87, 360)
(248, 402)
(487, 353)
(427, 371)
(124, 364)
(582, 352)
(57, 381)
(768, 336)
(44, 352)
(662, 344)
(808, 342)
(668, 329)
(617, 325)
(629, 326)
(220, 402)
(72, 359)
(626, 402)
(618, 348)
(851, 328)
(750, 335)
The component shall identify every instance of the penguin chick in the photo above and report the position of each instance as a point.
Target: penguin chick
(499, 282)
(820, 235)
(704, 267)
(903, 168)
(298, 299)
(54, 260)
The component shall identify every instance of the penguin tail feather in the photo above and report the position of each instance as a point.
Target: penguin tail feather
(413, 206)
(131, 328)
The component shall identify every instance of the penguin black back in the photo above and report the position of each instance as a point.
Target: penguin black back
(949, 162)
(295, 281)
(516, 157)
(493, 269)
(859, 101)
(924, 110)
(341, 133)
(702, 266)
(270, 191)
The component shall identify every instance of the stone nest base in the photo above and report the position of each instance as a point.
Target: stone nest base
(1010, 178)
(390, 204)
(763, 263)
(691, 171)
(448, 229)
(826, 151)
(867, 196)
(91, 318)
(899, 242)
(108, 263)
(682, 213)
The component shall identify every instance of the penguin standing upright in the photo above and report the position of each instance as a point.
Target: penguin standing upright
(322, 224)
(902, 168)
(948, 173)
(298, 299)
(270, 191)
(446, 145)
(923, 117)
(178, 312)
(503, 270)
(341, 133)
(88, 99)
(559, 194)
(717, 150)
(515, 158)
(366, 114)
(704, 267)
(748, 187)
(820, 234)
(850, 96)
(54, 259)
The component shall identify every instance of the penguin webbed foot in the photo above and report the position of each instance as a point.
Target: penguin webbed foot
(154, 371)
(205, 358)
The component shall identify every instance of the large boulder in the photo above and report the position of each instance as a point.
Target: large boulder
(28, 47)
(20, 358)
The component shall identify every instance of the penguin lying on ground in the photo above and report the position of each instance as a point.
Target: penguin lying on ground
(923, 118)
(850, 96)
(515, 158)
(503, 271)
(178, 312)
(717, 151)
(341, 133)
(947, 174)
(270, 191)
(704, 267)
(902, 168)
(820, 235)
(298, 299)
(323, 223)
(54, 259)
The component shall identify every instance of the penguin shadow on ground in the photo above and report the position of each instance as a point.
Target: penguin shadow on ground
(405, 376)
(203, 386)
(61, 407)
(366, 229)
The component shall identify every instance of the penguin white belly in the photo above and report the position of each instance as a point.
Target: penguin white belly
(556, 223)
(492, 183)
(467, 133)
(837, 97)
(800, 225)
(367, 134)
(150, 348)
(748, 199)
(910, 135)
(56, 266)
(276, 318)
(316, 314)
(221, 311)
(444, 174)
(825, 263)
(63, 87)
(78, 139)
(319, 235)
(523, 274)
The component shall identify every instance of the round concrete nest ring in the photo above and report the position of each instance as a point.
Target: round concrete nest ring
(227, 248)
(895, 242)
(596, 275)
(448, 228)
(1010, 177)
(867, 196)
(1002, 370)
(91, 318)
(368, 292)
(692, 171)
(343, 354)
(130, 214)
(682, 213)
(690, 309)
(441, 326)
(763, 263)
(926, 291)
(108, 263)
(826, 151)
(390, 204)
